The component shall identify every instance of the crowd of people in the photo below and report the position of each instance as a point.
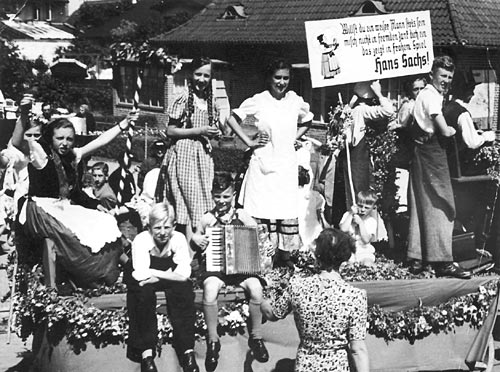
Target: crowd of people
(76, 214)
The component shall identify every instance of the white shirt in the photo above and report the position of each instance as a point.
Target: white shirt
(39, 157)
(429, 103)
(16, 174)
(177, 246)
(363, 112)
(471, 137)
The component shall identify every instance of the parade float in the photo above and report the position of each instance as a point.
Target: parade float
(414, 322)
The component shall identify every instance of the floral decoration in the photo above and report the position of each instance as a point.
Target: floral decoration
(382, 144)
(341, 120)
(80, 323)
(489, 157)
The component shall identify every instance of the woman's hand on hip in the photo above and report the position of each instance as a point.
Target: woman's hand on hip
(260, 139)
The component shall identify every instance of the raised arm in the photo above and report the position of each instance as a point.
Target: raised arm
(109, 135)
(22, 122)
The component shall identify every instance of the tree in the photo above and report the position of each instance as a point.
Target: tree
(16, 73)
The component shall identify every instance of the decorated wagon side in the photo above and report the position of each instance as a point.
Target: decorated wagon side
(414, 323)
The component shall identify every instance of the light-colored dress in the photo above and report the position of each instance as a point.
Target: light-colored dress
(329, 313)
(270, 186)
(189, 165)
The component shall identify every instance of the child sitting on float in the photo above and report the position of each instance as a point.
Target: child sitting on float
(224, 213)
(361, 222)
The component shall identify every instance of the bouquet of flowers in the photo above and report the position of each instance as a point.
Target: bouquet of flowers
(341, 120)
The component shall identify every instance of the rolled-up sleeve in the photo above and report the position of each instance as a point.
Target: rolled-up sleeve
(140, 256)
(471, 137)
(180, 251)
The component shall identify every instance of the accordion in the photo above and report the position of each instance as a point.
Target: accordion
(233, 250)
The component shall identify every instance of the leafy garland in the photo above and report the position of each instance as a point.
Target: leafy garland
(81, 323)
(143, 54)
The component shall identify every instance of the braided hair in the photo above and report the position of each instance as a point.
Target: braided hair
(195, 64)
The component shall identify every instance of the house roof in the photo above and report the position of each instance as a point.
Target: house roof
(472, 23)
(36, 30)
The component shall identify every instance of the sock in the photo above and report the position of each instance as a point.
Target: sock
(255, 319)
(147, 353)
(211, 312)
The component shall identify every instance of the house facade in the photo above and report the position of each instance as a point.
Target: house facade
(249, 33)
(38, 28)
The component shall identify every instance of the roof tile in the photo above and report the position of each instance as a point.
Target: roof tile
(473, 22)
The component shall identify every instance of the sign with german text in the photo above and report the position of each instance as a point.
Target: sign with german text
(366, 48)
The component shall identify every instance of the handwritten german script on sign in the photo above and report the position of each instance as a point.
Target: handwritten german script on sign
(365, 48)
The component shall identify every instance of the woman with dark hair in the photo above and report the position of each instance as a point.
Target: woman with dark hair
(330, 314)
(84, 240)
(188, 168)
(270, 188)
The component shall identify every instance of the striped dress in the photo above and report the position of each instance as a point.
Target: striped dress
(188, 165)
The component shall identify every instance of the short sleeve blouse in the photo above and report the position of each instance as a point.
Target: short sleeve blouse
(179, 109)
(253, 106)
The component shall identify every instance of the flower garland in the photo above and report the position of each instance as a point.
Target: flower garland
(341, 120)
(81, 323)
(489, 156)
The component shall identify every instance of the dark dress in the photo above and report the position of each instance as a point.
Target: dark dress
(56, 188)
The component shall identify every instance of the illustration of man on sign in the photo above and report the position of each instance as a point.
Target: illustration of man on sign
(329, 62)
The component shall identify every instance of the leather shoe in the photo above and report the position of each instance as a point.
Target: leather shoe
(212, 356)
(416, 267)
(258, 349)
(148, 365)
(189, 364)
(454, 270)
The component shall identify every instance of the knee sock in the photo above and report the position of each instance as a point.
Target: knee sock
(255, 319)
(211, 312)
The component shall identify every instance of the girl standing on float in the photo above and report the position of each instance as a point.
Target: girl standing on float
(270, 188)
(188, 168)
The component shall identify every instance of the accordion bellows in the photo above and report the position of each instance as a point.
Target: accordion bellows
(233, 250)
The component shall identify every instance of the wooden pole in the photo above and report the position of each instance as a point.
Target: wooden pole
(348, 156)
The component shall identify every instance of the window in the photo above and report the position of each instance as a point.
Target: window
(152, 92)
(153, 82)
(234, 12)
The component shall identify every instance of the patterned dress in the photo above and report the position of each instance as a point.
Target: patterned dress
(189, 165)
(329, 313)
